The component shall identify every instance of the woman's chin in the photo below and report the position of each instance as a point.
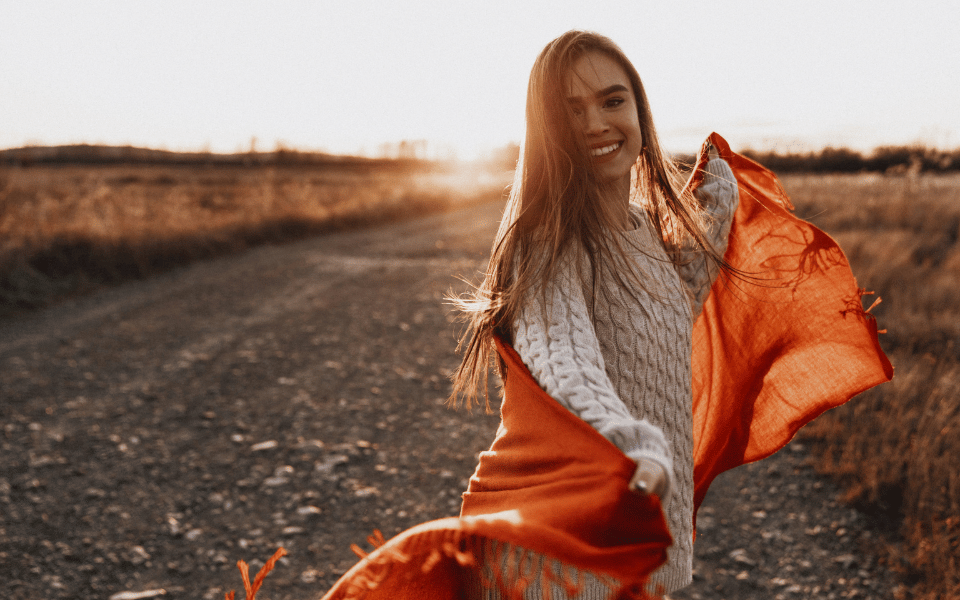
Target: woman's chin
(615, 169)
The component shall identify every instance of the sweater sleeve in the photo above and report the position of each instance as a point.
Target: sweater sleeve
(719, 197)
(557, 342)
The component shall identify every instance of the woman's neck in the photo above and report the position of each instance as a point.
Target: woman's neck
(617, 194)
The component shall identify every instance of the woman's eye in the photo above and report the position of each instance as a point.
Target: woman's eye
(614, 102)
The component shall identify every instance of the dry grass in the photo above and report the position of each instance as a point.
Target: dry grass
(897, 447)
(64, 229)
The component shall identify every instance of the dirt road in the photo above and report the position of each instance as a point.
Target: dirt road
(155, 433)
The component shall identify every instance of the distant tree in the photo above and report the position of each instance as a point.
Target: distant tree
(840, 160)
(887, 158)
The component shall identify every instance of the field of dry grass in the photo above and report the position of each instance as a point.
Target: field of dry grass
(67, 228)
(897, 447)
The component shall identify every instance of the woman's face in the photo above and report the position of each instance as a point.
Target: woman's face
(601, 96)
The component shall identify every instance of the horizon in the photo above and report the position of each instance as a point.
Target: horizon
(327, 77)
(489, 155)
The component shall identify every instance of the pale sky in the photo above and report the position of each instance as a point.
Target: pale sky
(347, 75)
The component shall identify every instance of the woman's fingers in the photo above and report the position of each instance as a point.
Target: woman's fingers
(712, 152)
(649, 478)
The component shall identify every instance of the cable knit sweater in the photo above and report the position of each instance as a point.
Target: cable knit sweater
(626, 370)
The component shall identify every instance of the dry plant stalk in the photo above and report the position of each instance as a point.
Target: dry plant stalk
(251, 588)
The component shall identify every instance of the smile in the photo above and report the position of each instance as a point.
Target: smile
(606, 149)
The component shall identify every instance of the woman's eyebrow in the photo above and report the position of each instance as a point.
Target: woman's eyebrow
(617, 87)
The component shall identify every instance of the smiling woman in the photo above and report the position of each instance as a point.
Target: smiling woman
(615, 347)
(599, 268)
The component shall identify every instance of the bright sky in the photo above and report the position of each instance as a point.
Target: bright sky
(347, 75)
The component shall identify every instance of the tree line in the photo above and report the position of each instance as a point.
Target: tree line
(885, 159)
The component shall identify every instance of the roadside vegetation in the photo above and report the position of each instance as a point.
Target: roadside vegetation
(67, 226)
(896, 448)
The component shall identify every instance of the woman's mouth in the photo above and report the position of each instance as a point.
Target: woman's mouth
(604, 150)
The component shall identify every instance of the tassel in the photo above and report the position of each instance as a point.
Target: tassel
(250, 589)
(875, 303)
(376, 539)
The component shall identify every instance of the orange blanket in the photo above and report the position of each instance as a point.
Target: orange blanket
(769, 356)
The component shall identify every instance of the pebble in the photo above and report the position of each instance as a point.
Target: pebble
(138, 555)
(740, 555)
(310, 575)
(138, 595)
(327, 465)
(847, 560)
(267, 445)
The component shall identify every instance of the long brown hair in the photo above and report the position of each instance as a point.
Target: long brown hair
(555, 201)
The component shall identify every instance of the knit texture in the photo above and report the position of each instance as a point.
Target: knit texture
(626, 370)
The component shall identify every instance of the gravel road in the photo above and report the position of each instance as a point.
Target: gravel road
(157, 432)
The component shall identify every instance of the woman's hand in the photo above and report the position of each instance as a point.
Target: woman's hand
(651, 478)
(712, 152)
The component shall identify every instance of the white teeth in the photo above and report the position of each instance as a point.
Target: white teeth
(606, 149)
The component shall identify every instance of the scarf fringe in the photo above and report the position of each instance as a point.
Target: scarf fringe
(509, 569)
(873, 305)
(856, 308)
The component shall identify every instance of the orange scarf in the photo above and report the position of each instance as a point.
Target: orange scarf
(769, 355)
(769, 358)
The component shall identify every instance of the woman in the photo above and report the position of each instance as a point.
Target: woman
(599, 269)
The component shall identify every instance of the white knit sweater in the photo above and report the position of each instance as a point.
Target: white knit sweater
(626, 371)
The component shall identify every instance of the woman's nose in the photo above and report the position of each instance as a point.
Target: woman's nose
(593, 122)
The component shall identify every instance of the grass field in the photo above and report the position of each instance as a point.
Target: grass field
(65, 229)
(896, 448)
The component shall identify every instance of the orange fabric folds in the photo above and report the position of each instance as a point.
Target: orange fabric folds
(549, 484)
(771, 354)
(565, 485)
(772, 350)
